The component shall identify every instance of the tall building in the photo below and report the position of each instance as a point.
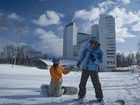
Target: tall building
(95, 30)
(107, 39)
(69, 40)
(82, 36)
(82, 39)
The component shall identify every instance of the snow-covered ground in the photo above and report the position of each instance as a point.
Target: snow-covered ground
(20, 85)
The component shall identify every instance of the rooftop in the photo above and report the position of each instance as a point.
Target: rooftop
(70, 24)
(80, 33)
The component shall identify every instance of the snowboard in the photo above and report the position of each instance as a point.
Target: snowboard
(91, 102)
(95, 102)
(116, 102)
(69, 90)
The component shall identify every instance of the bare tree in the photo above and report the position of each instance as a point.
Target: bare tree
(9, 52)
(20, 27)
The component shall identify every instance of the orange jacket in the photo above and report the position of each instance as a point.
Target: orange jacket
(56, 73)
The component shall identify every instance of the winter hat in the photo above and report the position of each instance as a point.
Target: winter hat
(55, 59)
(94, 40)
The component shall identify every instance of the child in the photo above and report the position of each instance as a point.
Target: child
(56, 71)
(91, 58)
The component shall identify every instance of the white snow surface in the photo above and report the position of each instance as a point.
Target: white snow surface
(20, 85)
(62, 61)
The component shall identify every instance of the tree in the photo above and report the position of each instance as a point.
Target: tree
(23, 56)
(9, 52)
(19, 29)
(125, 60)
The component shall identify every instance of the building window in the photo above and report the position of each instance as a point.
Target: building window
(111, 67)
(110, 62)
(110, 53)
(110, 38)
(111, 44)
(110, 56)
(110, 50)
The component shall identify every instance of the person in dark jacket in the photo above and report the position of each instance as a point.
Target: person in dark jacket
(90, 60)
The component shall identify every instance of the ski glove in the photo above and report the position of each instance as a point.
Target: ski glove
(78, 64)
(92, 57)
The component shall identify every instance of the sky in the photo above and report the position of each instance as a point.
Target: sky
(43, 21)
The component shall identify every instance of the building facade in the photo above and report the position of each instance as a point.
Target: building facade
(69, 40)
(107, 39)
(95, 30)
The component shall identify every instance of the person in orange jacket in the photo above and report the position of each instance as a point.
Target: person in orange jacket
(56, 72)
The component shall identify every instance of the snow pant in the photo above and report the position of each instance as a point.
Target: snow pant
(55, 89)
(95, 81)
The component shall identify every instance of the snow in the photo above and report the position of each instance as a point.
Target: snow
(20, 85)
(63, 62)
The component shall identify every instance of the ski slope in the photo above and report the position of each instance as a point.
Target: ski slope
(20, 85)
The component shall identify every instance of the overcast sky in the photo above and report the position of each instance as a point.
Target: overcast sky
(44, 21)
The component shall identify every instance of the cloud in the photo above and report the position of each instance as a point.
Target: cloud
(91, 15)
(15, 17)
(124, 18)
(50, 42)
(51, 17)
(136, 27)
(125, 1)
(123, 33)
(60, 28)
(87, 17)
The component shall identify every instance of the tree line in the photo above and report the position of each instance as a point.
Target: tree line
(20, 55)
(24, 54)
(125, 60)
